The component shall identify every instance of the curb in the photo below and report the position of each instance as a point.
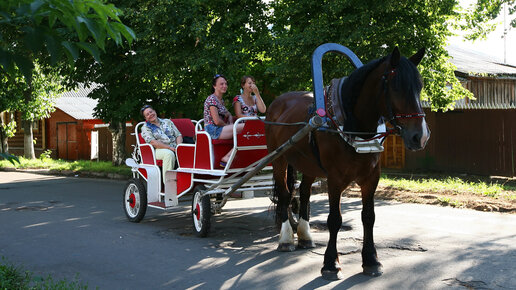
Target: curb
(70, 173)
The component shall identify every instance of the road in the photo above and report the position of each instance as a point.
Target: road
(66, 226)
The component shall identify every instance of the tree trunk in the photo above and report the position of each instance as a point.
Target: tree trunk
(117, 130)
(4, 147)
(28, 140)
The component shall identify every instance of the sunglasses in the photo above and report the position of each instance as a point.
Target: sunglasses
(145, 107)
(218, 76)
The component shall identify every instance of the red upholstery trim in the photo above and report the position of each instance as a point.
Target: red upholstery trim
(184, 181)
(252, 134)
(185, 126)
(143, 172)
(146, 153)
(202, 152)
(185, 156)
(222, 141)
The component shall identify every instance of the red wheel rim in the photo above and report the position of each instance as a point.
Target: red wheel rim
(198, 211)
(132, 200)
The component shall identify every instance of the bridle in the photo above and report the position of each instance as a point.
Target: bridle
(391, 117)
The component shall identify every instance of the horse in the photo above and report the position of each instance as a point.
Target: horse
(387, 88)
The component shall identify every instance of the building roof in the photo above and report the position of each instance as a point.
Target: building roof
(77, 104)
(475, 63)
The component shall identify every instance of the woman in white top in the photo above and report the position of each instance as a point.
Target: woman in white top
(245, 104)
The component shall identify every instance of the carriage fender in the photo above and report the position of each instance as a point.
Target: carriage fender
(153, 178)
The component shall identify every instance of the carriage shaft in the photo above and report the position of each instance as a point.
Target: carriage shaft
(314, 123)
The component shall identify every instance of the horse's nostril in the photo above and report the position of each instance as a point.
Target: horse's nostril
(416, 138)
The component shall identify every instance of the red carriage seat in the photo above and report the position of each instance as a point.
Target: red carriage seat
(250, 142)
(185, 127)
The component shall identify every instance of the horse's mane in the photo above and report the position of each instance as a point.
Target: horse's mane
(407, 78)
(351, 88)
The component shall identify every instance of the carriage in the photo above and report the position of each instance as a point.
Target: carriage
(197, 172)
(384, 90)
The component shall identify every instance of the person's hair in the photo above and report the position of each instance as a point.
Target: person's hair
(214, 81)
(144, 108)
(244, 80)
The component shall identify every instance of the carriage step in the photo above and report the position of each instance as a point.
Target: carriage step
(157, 204)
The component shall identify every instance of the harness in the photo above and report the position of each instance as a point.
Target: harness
(338, 119)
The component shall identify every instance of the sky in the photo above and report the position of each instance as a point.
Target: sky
(494, 44)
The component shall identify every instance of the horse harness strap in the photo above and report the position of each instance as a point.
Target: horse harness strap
(336, 112)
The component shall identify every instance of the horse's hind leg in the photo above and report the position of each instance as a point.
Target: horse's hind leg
(283, 196)
(370, 264)
(304, 237)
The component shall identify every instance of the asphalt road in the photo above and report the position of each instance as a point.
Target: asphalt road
(66, 226)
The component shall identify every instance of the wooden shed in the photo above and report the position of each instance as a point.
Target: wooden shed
(479, 135)
(67, 132)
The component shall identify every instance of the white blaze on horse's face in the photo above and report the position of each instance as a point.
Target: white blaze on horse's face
(426, 134)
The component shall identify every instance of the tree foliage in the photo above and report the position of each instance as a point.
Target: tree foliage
(180, 46)
(371, 29)
(477, 19)
(36, 36)
(30, 30)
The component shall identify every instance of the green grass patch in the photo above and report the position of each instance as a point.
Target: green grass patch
(14, 277)
(453, 185)
(63, 165)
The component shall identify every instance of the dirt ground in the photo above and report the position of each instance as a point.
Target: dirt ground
(460, 200)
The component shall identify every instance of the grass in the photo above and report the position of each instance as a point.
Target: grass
(450, 185)
(453, 185)
(14, 277)
(63, 165)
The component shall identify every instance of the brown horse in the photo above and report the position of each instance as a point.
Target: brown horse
(389, 87)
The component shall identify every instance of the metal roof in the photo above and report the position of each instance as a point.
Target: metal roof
(475, 63)
(77, 104)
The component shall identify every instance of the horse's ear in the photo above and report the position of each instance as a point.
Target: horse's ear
(395, 57)
(416, 58)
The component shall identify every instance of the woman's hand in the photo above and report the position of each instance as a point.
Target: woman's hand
(255, 89)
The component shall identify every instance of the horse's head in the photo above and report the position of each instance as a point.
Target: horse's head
(402, 86)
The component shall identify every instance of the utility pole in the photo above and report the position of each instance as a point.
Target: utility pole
(504, 34)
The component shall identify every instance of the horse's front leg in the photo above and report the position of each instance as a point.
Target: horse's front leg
(304, 237)
(370, 264)
(331, 269)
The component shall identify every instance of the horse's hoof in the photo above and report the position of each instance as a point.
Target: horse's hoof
(373, 271)
(305, 244)
(286, 247)
(332, 275)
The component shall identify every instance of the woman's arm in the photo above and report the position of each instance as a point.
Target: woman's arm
(260, 105)
(237, 107)
(215, 116)
(159, 145)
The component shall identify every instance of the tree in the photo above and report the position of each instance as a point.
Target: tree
(181, 45)
(477, 19)
(37, 35)
(369, 28)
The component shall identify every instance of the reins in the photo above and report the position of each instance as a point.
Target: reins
(391, 118)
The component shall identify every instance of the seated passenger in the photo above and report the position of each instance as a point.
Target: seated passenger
(218, 122)
(245, 104)
(163, 135)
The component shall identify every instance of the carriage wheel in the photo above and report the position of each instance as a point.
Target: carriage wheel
(201, 212)
(135, 200)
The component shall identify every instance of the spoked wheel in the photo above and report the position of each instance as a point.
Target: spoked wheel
(135, 200)
(201, 212)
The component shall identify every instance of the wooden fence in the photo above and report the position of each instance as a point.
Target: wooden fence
(480, 141)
